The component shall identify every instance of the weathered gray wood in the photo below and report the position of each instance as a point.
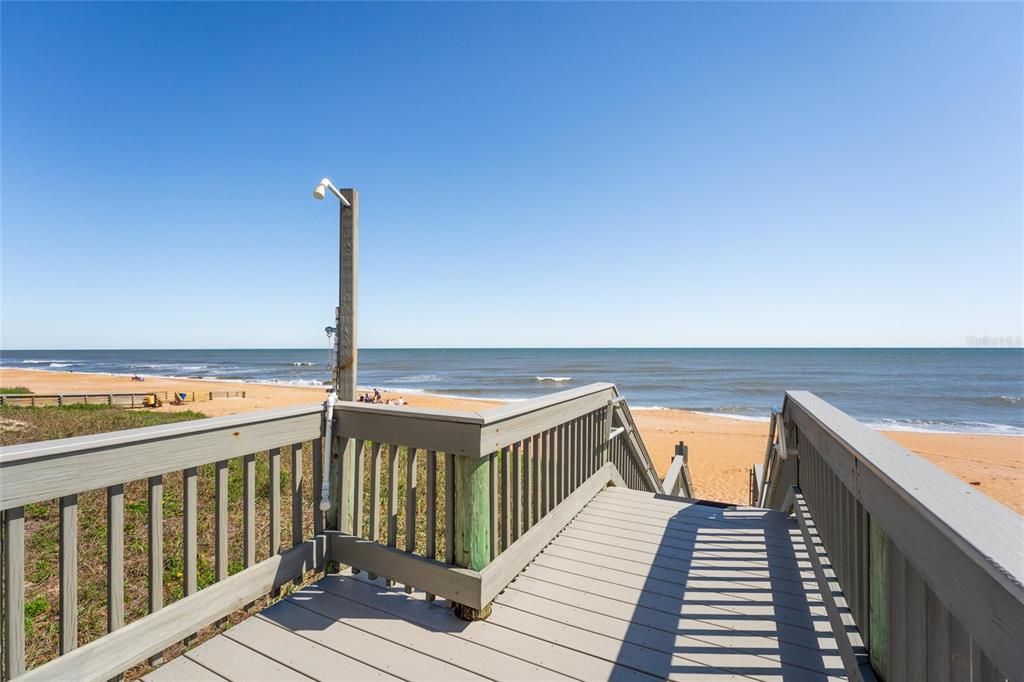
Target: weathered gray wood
(190, 513)
(183, 670)
(380, 652)
(115, 557)
(297, 534)
(227, 657)
(492, 499)
(430, 631)
(496, 575)
(851, 646)
(275, 500)
(505, 518)
(374, 533)
(357, 473)
(221, 473)
(249, 509)
(455, 432)
(507, 424)
(457, 584)
(14, 590)
(535, 481)
(108, 656)
(517, 487)
(348, 282)
(449, 508)
(156, 543)
(410, 499)
(68, 573)
(392, 539)
(51, 469)
(299, 653)
(430, 550)
(318, 481)
(953, 535)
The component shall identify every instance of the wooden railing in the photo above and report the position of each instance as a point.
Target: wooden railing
(64, 469)
(925, 575)
(41, 399)
(677, 479)
(452, 503)
(478, 487)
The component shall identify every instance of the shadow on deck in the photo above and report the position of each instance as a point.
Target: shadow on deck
(636, 587)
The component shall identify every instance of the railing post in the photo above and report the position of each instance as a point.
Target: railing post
(342, 459)
(473, 522)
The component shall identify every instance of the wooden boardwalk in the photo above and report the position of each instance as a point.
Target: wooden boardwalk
(636, 587)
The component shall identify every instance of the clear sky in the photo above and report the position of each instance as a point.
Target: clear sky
(530, 175)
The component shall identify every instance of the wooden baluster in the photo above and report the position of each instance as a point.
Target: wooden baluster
(393, 497)
(221, 519)
(430, 551)
(318, 481)
(517, 472)
(549, 470)
(189, 514)
(14, 590)
(357, 473)
(506, 497)
(275, 501)
(528, 482)
(375, 496)
(563, 458)
(392, 500)
(68, 573)
(249, 506)
(297, 534)
(449, 508)
(535, 479)
(189, 480)
(410, 503)
(156, 550)
(115, 557)
(493, 463)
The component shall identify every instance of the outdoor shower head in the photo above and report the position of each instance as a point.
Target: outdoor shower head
(320, 191)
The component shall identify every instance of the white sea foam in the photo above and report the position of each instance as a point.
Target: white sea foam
(301, 364)
(419, 379)
(556, 380)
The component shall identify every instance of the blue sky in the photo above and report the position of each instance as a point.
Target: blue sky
(530, 175)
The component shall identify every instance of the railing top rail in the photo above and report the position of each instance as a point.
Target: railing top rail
(49, 469)
(981, 527)
(501, 413)
(19, 453)
(469, 433)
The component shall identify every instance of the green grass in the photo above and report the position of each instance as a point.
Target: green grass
(31, 424)
(13, 390)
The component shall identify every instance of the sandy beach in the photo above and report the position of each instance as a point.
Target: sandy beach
(722, 450)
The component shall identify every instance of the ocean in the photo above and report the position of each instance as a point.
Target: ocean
(960, 390)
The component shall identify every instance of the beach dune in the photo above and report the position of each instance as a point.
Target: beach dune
(722, 449)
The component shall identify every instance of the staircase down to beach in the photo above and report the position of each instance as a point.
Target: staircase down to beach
(636, 587)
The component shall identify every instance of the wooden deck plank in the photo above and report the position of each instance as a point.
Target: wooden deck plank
(415, 637)
(658, 566)
(548, 661)
(301, 654)
(239, 663)
(721, 648)
(728, 651)
(723, 591)
(380, 653)
(668, 615)
(636, 587)
(696, 576)
(182, 669)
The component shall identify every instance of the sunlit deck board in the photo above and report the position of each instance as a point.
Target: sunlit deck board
(636, 587)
